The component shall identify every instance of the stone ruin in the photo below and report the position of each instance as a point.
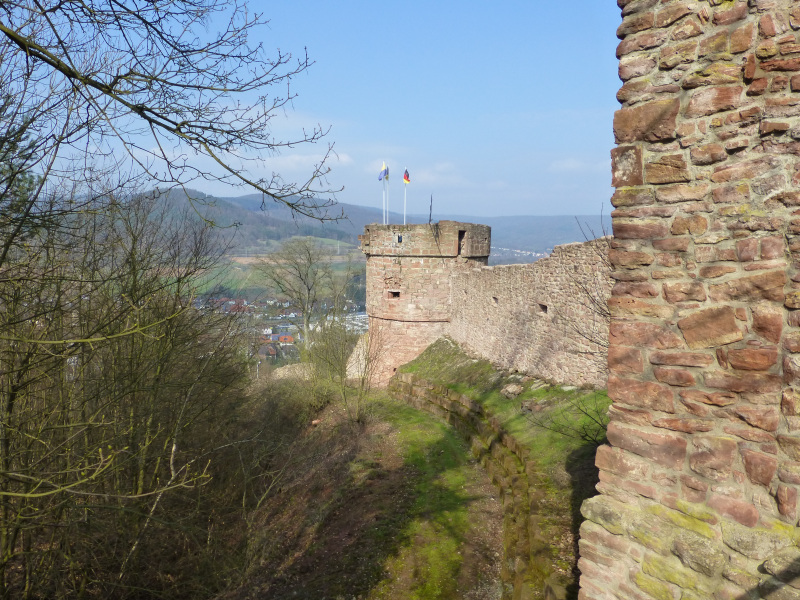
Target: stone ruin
(698, 488)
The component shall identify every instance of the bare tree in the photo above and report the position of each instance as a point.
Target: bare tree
(176, 91)
(301, 273)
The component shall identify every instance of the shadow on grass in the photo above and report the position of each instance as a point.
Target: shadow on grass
(341, 549)
(584, 476)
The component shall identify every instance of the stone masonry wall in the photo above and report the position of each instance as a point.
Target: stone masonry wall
(698, 489)
(541, 318)
(409, 268)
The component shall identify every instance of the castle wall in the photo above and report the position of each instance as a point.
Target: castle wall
(540, 318)
(698, 488)
(409, 268)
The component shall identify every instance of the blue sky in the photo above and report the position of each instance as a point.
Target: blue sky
(495, 108)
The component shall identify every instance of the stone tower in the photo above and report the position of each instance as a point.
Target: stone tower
(409, 268)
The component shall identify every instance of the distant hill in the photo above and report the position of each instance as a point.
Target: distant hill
(258, 230)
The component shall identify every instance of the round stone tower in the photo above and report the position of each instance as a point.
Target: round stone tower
(409, 268)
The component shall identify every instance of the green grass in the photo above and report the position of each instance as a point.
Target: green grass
(444, 363)
(427, 564)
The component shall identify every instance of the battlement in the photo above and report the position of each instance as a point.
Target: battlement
(443, 239)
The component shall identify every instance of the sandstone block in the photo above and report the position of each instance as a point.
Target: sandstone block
(622, 359)
(760, 468)
(650, 122)
(632, 197)
(694, 225)
(620, 258)
(749, 169)
(768, 322)
(640, 230)
(709, 101)
(674, 377)
(685, 425)
(708, 154)
(621, 307)
(790, 446)
(643, 335)
(710, 327)
(712, 457)
(758, 543)
(665, 449)
(684, 291)
(671, 168)
(752, 359)
(698, 553)
(626, 166)
(645, 394)
(764, 286)
(762, 417)
(681, 359)
(786, 498)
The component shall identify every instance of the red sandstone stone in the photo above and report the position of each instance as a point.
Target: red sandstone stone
(762, 417)
(715, 271)
(622, 359)
(665, 449)
(632, 197)
(650, 122)
(760, 468)
(635, 290)
(712, 457)
(696, 409)
(620, 258)
(644, 335)
(685, 425)
(694, 225)
(742, 39)
(768, 322)
(738, 510)
(675, 377)
(710, 327)
(682, 359)
(621, 463)
(790, 402)
(758, 87)
(787, 502)
(744, 170)
(781, 64)
(731, 194)
(665, 259)
(713, 100)
(635, 24)
(634, 416)
(644, 41)
(640, 230)
(676, 244)
(764, 286)
(747, 249)
(726, 17)
(708, 154)
(626, 166)
(751, 382)
(645, 394)
(772, 247)
(682, 193)
(749, 359)
(749, 433)
(684, 291)
(670, 168)
(626, 307)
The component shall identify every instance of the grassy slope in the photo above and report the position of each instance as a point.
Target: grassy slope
(566, 461)
(395, 509)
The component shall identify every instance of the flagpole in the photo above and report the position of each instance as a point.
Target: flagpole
(387, 195)
(405, 195)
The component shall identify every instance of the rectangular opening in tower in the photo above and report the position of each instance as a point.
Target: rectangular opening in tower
(462, 234)
(393, 294)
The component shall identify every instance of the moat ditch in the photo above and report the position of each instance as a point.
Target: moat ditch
(537, 444)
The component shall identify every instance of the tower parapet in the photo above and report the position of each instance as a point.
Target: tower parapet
(409, 269)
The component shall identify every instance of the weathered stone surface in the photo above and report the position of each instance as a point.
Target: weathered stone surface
(785, 566)
(698, 553)
(768, 322)
(643, 335)
(764, 286)
(710, 327)
(755, 543)
(712, 100)
(623, 359)
(681, 359)
(650, 122)
(738, 510)
(626, 166)
(760, 468)
(641, 393)
(674, 377)
(786, 498)
(640, 230)
(712, 457)
(665, 449)
(694, 225)
(753, 359)
(671, 168)
(790, 445)
(763, 417)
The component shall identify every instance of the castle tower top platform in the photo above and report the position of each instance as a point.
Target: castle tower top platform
(445, 239)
